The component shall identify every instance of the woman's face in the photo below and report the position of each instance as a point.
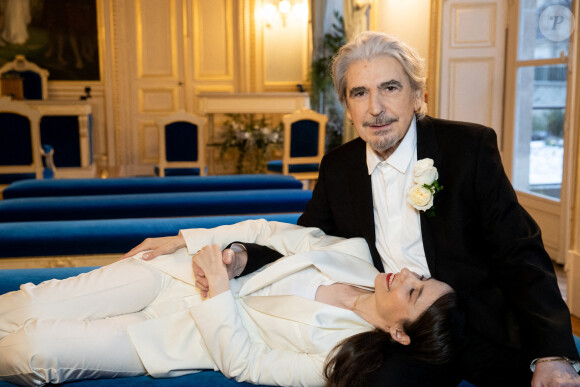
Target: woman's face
(404, 296)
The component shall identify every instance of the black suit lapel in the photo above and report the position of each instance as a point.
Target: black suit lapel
(427, 147)
(362, 201)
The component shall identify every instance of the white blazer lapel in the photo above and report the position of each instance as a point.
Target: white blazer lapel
(310, 312)
(339, 267)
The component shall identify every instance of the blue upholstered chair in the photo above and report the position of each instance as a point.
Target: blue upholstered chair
(20, 156)
(304, 136)
(181, 145)
(34, 78)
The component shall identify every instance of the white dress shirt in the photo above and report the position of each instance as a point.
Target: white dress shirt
(397, 223)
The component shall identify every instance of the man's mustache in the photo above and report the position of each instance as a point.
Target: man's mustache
(381, 121)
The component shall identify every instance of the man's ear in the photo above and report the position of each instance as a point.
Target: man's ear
(347, 112)
(400, 336)
(418, 101)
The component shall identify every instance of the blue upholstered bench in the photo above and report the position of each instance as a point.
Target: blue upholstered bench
(153, 205)
(106, 236)
(12, 279)
(140, 185)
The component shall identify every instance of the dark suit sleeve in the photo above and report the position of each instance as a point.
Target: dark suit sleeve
(318, 212)
(519, 262)
(258, 256)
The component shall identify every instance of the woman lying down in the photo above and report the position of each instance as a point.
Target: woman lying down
(298, 321)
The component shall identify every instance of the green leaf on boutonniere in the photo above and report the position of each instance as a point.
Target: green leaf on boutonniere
(430, 213)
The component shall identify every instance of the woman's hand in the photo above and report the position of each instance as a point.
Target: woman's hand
(209, 260)
(158, 246)
(234, 258)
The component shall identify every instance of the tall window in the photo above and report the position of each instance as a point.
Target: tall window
(540, 100)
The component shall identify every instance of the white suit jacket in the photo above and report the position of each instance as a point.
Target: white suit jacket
(274, 340)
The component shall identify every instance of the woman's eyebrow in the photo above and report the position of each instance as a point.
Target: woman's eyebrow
(419, 293)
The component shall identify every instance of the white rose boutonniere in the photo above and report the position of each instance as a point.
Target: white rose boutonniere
(422, 193)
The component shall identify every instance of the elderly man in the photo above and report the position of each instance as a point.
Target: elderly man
(432, 195)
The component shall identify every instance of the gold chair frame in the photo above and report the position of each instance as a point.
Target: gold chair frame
(287, 160)
(191, 118)
(20, 64)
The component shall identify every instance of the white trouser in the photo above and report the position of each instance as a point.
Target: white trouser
(76, 328)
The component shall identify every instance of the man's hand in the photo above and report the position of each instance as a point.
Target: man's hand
(158, 246)
(209, 260)
(555, 373)
(235, 262)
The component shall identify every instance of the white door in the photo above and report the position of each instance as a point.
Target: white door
(472, 61)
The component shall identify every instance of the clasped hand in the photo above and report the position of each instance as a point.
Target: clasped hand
(210, 260)
(155, 247)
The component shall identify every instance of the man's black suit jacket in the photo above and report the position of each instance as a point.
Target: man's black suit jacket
(480, 241)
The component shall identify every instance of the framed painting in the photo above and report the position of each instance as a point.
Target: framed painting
(57, 35)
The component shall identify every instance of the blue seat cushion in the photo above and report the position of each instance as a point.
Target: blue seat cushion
(154, 205)
(126, 185)
(276, 166)
(106, 236)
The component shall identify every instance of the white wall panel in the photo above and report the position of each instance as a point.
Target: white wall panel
(473, 25)
(156, 38)
(473, 103)
(213, 50)
(149, 142)
(157, 100)
(472, 61)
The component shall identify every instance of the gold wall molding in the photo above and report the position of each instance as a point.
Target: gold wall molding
(433, 70)
(58, 261)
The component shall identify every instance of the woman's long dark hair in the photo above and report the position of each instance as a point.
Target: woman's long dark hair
(433, 340)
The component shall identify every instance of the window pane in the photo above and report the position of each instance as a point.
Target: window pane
(550, 40)
(539, 129)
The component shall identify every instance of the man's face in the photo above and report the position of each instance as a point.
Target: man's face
(380, 102)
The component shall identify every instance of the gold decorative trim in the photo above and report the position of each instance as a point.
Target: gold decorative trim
(117, 11)
(433, 70)
(58, 261)
(253, 39)
(101, 41)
